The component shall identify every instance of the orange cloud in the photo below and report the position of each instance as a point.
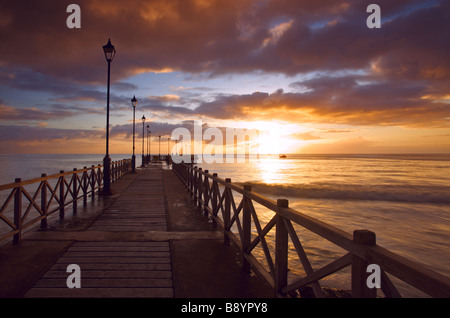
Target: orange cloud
(404, 65)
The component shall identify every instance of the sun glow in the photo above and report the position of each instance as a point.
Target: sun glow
(274, 137)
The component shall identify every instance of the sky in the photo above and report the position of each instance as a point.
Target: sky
(310, 76)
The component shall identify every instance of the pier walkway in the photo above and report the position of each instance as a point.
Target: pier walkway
(145, 240)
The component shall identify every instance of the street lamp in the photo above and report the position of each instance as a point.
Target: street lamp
(110, 52)
(133, 158)
(143, 123)
(148, 131)
(159, 153)
(168, 146)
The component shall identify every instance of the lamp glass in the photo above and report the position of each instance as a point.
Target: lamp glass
(134, 101)
(109, 51)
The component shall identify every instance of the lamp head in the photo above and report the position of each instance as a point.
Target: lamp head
(109, 51)
(134, 101)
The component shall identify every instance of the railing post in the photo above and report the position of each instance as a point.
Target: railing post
(44, 223)
(214, 194)
(246, 227)
(199, 187)
(93, 182)
(85, 187)
(112, 171)
(61, 196)
(99, 177)
(206, 194)
(189, 176)
(195, 186)
(74, 191)
(227, 213)
(359, 266)
(18, 212)
(281, 249)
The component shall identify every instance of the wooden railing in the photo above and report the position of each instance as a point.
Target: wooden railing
(216, 198)
(24, 207)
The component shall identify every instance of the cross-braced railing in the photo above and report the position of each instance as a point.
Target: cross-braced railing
(24, 206)
(232, 207)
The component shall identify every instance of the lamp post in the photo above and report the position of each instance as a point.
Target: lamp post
(110, 52)
(143, 134)
(133, 158)
(159, 152)
(148, 155)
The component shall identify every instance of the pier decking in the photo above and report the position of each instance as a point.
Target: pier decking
(146, 240)
(179, 233)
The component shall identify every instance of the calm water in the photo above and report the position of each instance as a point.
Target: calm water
(29, 166)
(404, 199)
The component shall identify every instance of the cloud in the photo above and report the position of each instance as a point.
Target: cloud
(351, 100)
(225, 36)
(351, 145)
(9, 113)
(305, 136)
(166, 98)
(41, 133)
(165, 129)
(403, 68)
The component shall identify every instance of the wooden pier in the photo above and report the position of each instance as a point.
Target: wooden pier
(145, 240)
(178, 233)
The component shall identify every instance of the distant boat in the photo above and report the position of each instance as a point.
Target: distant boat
(282, 156)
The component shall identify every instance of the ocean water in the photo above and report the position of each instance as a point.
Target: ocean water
(29, 166)
(404, 199)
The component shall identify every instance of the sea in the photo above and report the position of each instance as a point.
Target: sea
(404, 199)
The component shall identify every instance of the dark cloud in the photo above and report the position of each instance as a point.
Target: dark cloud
(405, 64)
(156, 128)
(15, 133)
(9, 113)
(226, 36)
(123, 86)
(23, 78)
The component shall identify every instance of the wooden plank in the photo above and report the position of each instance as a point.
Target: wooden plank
(120, 244)
(106, 282)
(111, 274)
(100, 292)
(116, 267)
(129, 254)
(119, 228)
(130, 223)
(119, 249)
(134, 214)
(119, 260)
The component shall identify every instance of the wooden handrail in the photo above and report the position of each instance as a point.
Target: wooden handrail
(77, 183)
(361, 248)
